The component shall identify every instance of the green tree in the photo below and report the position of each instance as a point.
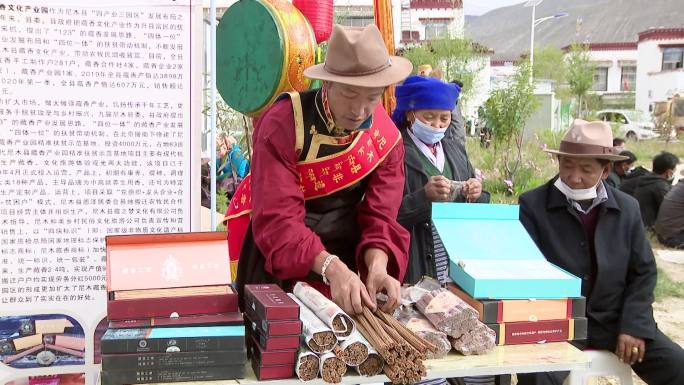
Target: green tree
(506, 112)
(549, 63)
(580, 75)
(458, 59)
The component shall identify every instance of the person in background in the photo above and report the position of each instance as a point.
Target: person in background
(596, 234)
(669, 225)
(621, 168)
(456, 130)
(423, 115)
(619, 145)
(653, 186)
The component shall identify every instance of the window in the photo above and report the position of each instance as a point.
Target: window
(435, 29)
(672, 58)
(628, 80)
(600, 79)
(357, 21)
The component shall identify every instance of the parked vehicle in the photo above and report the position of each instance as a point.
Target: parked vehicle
(633, 125)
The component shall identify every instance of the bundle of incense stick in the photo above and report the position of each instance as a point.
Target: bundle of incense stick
(308, 365)
(354, 350)
(373, 364)
(401, 349)
(317, 336)
(420, 325)
(479, 340)
(448, 313)
(332, 368)
(328, 311)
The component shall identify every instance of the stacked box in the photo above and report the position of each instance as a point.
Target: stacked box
(273, 331)
(172, 311)
(518, 293)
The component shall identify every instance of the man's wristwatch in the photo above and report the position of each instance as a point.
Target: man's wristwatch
(328, 259)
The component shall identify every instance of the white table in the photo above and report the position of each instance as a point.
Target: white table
(549, 357)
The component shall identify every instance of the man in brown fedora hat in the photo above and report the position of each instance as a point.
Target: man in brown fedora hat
(595, 232)
(326, 181)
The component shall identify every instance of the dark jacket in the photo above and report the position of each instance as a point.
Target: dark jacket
(630, 181)
(415, 212)
(650, 192)
(622, 294)
(613, 179)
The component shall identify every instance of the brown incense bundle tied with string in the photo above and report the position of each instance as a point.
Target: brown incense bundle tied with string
(420, 325)
(402, 350)
(479, 340)
(448, 313)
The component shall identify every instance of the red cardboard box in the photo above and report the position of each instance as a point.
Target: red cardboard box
(189, 263)
(272, 328)
(276, 343)
(191, 320)
(269, 302)
(516, 333)
(270, 358)
(273, 372)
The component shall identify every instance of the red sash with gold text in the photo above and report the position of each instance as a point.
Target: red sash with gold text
(320, 177)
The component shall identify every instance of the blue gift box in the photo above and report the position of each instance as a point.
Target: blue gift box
(492, 256)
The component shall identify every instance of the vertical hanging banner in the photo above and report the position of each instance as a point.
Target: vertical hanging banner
(96, 138)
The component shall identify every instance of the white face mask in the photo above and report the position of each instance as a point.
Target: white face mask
(577, 194)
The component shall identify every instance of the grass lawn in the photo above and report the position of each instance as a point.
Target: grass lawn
(537, 167)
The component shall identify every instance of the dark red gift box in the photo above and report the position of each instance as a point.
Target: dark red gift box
(192, 320)
(272, 328)
(273, 372)
(147, 263)
(271, 358)
(269, 302)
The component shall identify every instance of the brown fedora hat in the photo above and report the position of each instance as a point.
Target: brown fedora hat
(588, 140)
(358, 56)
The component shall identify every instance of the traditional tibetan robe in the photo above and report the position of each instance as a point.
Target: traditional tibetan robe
(313, 188)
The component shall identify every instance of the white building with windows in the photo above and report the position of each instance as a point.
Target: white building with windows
(615, 66)
(660, 68)
(414, 20)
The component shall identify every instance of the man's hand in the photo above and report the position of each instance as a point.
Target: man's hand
(346, 288)
(630, 349)
(472, 190)
(437, 189)
(379, 281)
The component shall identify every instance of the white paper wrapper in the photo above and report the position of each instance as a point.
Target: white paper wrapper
(343, 368)
(312, 326)
(306, 354)
(333, 316)
(354, 349)
(372, 356)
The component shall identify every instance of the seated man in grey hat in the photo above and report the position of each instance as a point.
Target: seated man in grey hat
(326, 182)
(595, 232)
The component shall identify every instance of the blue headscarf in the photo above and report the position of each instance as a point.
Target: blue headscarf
(421, 93)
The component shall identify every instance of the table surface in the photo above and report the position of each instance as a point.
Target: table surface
(502, 360)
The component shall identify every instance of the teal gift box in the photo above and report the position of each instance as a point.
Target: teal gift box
(492, 256)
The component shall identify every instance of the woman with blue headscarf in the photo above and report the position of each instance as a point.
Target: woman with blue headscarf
(432, 164)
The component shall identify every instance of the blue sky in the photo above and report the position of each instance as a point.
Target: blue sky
(479, 7)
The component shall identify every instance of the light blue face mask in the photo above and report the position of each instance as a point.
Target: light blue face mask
(426, 133)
